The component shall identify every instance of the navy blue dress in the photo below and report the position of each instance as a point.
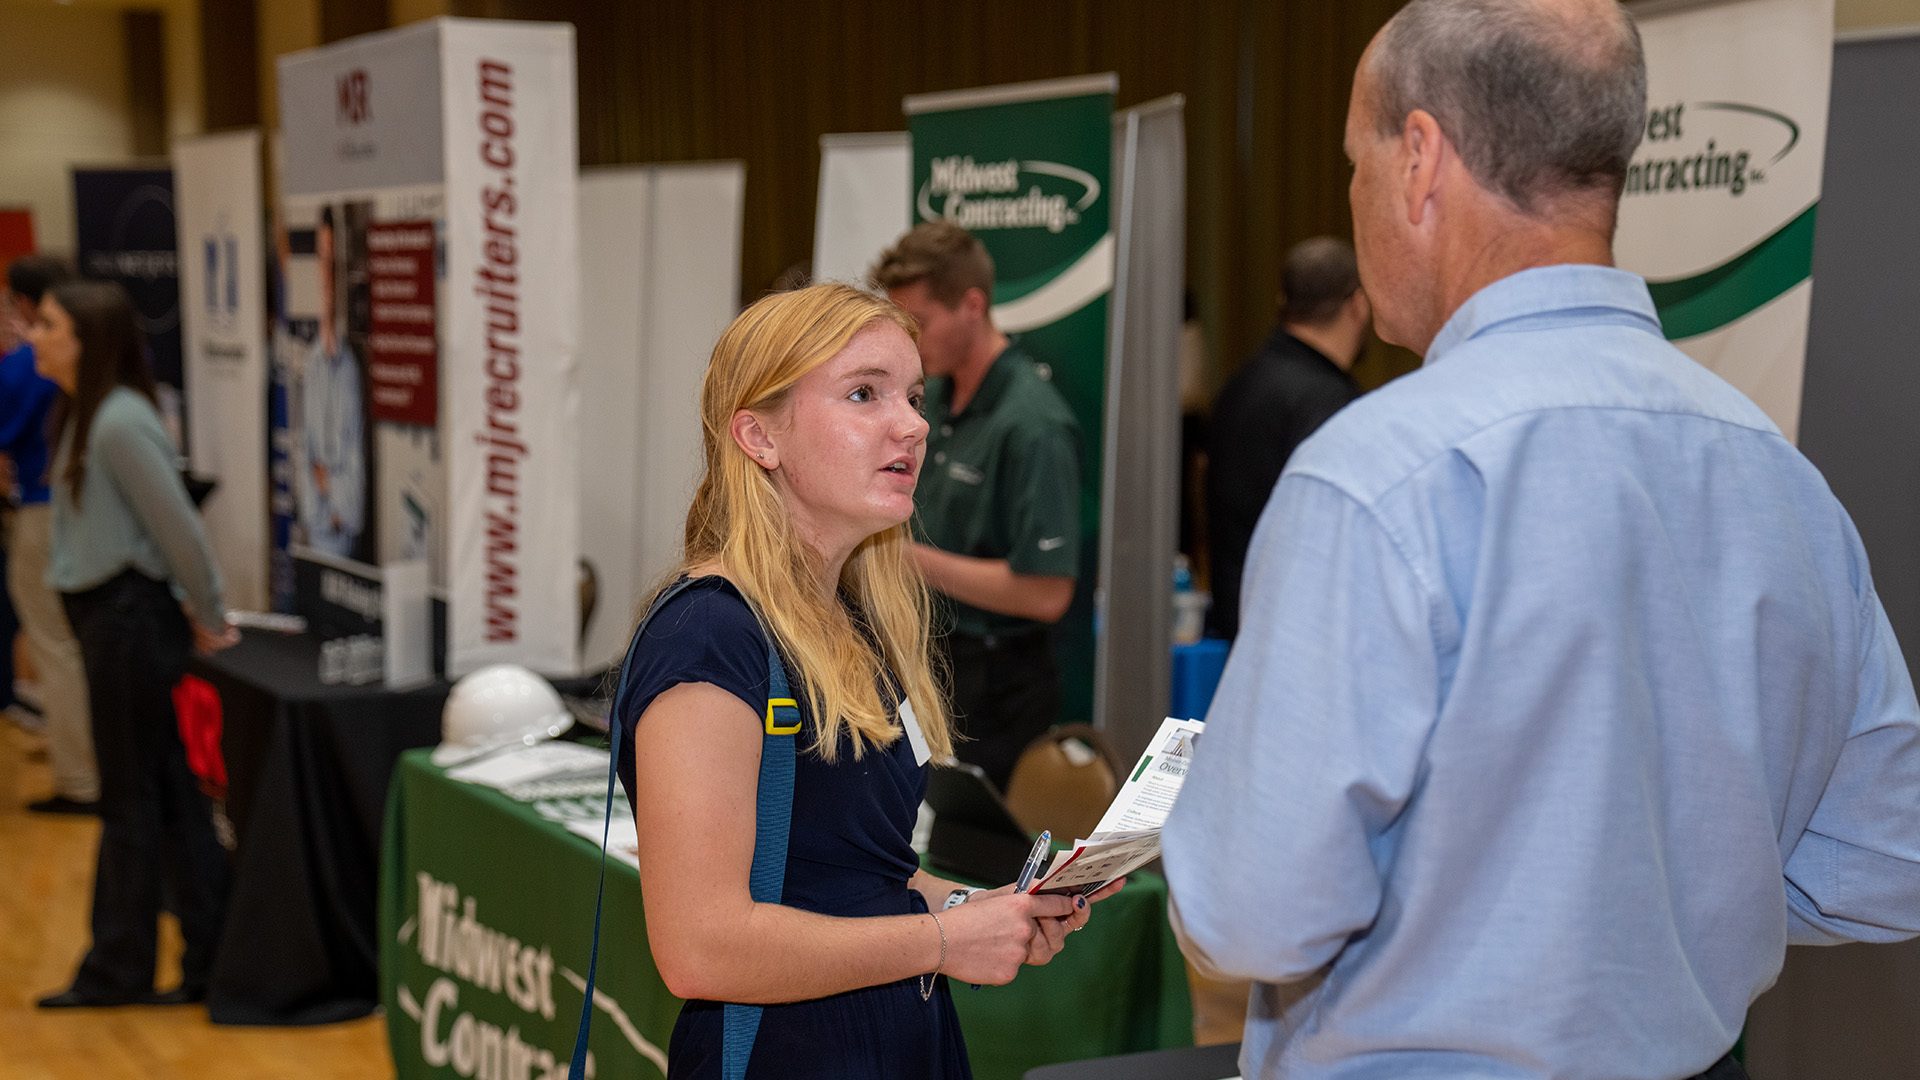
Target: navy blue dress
(849, 853)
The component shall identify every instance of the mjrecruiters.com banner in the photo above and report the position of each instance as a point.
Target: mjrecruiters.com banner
(1720, 200)
(511, 337)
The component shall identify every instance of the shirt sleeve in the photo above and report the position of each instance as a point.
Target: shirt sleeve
(706, 634)
(1044, 518)
(23, 403)
(1313, 744)
(1854, 874)
(142, 465)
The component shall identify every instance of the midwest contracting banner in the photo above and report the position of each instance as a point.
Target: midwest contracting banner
(126, 234)
(224, 325)
(1720, 200)
(1025, 168)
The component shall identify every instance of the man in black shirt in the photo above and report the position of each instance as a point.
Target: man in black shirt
(1297, 380)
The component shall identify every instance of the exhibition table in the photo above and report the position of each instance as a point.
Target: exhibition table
(307, 766)
(486, 911)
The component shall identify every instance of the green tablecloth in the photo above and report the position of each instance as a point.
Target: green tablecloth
(486, 912)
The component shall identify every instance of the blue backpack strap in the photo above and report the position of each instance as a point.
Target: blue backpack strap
(772, 819)
(773, 816)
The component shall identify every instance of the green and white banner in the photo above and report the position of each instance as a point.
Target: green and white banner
(1719, 206)
(1026, 169)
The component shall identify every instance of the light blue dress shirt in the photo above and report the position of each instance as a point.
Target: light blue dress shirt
(1562, 702)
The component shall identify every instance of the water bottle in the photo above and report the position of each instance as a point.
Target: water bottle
(1189, 604)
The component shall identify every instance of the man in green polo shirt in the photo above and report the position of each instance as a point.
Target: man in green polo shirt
(997, 497)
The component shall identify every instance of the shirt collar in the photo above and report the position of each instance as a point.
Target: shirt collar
(995, 382)
(1572, 292)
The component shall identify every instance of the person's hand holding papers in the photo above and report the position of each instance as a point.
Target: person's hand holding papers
(1128, 836)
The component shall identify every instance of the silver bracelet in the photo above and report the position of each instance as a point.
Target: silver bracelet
(927, 981)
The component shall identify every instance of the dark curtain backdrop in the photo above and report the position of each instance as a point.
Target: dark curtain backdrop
(1265, 82)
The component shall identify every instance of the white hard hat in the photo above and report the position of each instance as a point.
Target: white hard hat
(498, 706)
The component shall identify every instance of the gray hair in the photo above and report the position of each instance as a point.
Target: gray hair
(1539, 102)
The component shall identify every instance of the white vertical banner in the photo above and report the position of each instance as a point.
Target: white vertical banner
(693, 289)
(660, 262)
(509, 335)
(218, 213)
(1720, 200)
(615, 215)
(863, 205)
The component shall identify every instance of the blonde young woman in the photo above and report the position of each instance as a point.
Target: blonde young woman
(797, 537)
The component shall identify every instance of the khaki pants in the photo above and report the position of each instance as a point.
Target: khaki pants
(55, 653)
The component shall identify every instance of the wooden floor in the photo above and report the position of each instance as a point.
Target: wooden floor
(46, 864)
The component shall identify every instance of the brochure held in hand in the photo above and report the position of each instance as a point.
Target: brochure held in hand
(1128, 835)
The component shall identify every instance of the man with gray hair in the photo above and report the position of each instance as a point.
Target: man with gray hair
(1562, 701)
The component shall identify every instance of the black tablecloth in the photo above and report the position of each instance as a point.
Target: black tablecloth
(307, 772)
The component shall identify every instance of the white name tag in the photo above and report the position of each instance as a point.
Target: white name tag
(916, 738)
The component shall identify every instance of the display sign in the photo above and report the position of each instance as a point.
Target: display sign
(510, 336)
(1025, 168)
(430, 321)
(223, 316)
(125, 233)
(1719, 205)
(863, 203)
(402, 342)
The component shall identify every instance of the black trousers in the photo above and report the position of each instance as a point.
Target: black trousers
(155, 825)
(1006, 693)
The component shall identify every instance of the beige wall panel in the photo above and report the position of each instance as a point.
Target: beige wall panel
(63, 100)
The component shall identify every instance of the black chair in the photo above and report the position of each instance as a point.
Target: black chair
(974, 835)
(1217, 1062)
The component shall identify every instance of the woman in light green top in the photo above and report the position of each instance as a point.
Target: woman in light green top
(124, 536)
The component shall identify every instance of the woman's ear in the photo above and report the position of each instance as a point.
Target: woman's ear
(751, 436)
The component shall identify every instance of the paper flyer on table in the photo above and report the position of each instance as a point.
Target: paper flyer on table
(1128, 836)
(526, 763)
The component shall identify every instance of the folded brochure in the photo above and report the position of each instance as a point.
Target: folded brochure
(1128, 835)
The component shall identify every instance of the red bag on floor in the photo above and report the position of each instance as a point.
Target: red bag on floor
(197, 704)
